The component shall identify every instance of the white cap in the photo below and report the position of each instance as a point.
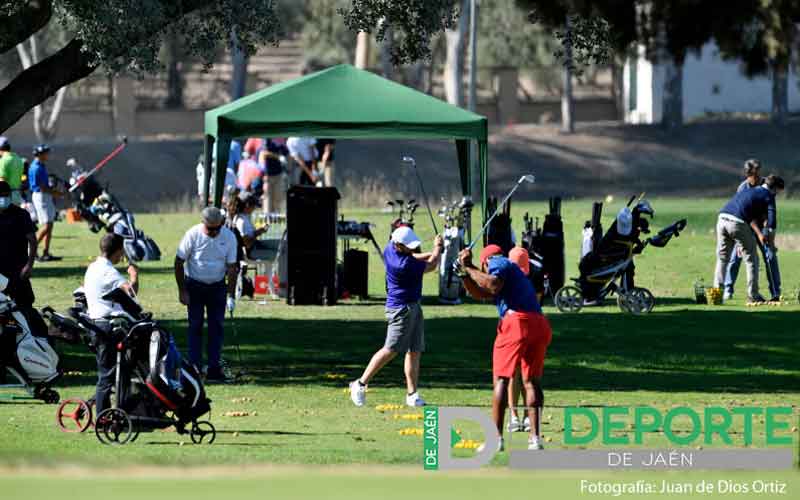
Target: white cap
(406, 236)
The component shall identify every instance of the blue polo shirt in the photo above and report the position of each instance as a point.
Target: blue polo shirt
(752, 205)
(37, 176)
(517, 293)
(403, 278)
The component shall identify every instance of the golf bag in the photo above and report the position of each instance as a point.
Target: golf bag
(545, 247)
(103, 211)
(26, 355)
(499, 232)
(450, 286)
(608, 268)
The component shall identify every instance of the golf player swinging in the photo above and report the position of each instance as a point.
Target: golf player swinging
(405, 332)
(523, 332)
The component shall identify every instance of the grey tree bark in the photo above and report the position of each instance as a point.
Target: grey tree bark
(780, 93)
(672, 99)
(453, 75)
(239, 61)
(567, 102)
(387, 68)
(45, 125)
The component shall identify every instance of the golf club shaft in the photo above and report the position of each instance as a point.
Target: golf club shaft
(100, 165)
(425, 196)
(496, 211)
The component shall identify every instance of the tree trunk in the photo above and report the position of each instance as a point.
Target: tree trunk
(174, 74)
(672, 101)
(453, 74)
(617, 87)
(780, 93)
(362, 50)
(239, 62)
(387, 45)
(567, 103)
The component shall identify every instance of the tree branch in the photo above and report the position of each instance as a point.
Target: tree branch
(40, 81)
(25, 21)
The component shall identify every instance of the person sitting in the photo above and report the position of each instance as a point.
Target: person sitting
(240, 214)
(104, 286)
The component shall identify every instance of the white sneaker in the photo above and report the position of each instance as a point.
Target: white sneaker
(513, 424)
(526, 424)
(727, 296)
(500, 446)
(358, 393)
(535, 443)
(415, 400)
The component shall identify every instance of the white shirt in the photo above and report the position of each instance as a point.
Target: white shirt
(101, 278)
(206, 259)
(302, 147)
(245, 225)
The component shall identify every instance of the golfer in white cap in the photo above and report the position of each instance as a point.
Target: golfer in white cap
(405, 333)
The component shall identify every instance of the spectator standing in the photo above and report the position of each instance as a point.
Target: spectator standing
(272, 158)
(18, 250)
(207, 254)
(12, 168)
(253, 145)
(42, 196)
(326, 152)
(248, 172)
(303, 152)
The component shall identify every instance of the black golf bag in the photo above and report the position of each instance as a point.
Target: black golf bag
(545, 247)
(499, 231)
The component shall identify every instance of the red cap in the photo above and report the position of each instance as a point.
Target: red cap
(520, 257)
(490, 251)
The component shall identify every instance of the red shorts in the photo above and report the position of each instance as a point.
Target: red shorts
(522, 340)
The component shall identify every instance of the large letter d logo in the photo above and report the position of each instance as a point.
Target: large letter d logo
(447, 416)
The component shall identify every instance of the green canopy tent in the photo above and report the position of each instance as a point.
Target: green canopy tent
(343, 102)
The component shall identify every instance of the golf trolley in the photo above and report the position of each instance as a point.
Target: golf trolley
(28, 357)
(607, 268)
(101, 210)
(154, 387)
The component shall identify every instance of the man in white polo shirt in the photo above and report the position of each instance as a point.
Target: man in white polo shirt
(205, 256)
(100, 282)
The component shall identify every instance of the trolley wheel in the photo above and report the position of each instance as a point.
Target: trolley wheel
(569, 299)
(203, 432)
(74, 415)
(637, 301)
(113, 426)
(51, 397)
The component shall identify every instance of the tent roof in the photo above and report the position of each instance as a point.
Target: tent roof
(344, 102)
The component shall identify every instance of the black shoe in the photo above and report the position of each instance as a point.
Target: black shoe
(49, 258)
(218, 377)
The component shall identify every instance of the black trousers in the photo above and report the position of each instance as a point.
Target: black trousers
(107, 372)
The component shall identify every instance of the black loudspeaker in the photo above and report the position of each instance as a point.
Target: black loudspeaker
(311, 215)
(356, 273)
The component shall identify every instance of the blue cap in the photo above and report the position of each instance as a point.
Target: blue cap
(40, 148)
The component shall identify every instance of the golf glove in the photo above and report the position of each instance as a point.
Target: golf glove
(230, 304)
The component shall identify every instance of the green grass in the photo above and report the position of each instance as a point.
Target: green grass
(298, 359)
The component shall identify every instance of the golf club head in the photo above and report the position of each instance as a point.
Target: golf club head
(529, 178)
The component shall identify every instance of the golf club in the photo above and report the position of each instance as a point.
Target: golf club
(238, 347)
(530, 179)
(100, 165)
(413, 163)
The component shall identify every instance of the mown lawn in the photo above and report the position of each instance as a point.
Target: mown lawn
(299, 359)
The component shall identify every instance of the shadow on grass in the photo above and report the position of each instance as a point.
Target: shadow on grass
(695, 350)
(78, 271)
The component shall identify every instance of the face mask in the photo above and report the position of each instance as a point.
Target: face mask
(5, 201)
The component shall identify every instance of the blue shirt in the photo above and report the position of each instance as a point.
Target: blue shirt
(235, 155)
(752, 205)
(37, 176)
(517, 293)
(403, 278)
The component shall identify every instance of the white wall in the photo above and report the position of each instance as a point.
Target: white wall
(710, 84)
